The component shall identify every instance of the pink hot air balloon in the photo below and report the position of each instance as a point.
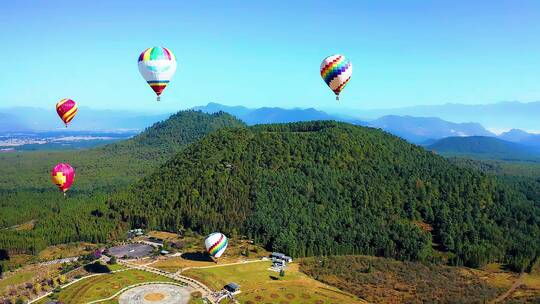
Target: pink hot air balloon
(66, 109)
(63, 175)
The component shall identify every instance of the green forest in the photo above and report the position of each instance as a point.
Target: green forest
(311, 188)
(27, 193)
(322, 188)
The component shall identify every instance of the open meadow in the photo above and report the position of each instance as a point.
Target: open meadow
(381, 280)
(194, 255)
(261, 285)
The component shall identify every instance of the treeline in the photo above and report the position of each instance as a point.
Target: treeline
(26, 191)
(321, 188)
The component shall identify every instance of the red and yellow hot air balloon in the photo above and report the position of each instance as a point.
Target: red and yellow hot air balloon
(66, 109)
(62, 175)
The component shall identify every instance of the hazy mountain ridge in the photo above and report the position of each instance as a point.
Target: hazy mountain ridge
(36, 119)
(485, 147)
(420, 129)
(414, 129)
(501, 115)
(266, 115)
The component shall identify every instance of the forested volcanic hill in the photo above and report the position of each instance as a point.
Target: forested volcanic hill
(27, 194)
(333, 188)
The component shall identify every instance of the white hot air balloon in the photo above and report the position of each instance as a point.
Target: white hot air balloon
(215, 244)
(157, 66)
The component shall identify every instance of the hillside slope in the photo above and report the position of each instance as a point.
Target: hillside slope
(333, 188)
(26, 192)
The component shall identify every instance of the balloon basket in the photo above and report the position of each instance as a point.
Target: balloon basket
(158, 98)
(337, 97)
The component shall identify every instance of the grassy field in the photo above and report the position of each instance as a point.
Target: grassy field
(103, 286)
(260, 285)
(528, 291)
(27, 274)
(16, 278)
(382, 280)
(66, 250)
(19, 260)
(195, 255)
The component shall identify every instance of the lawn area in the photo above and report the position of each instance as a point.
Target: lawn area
(19, 260)
(260, 285)
(103, 286)
(173, 264)
(116, 267)
(16, 278)
(66, 250)
(27, 274)
(196, 256)
(529, 291)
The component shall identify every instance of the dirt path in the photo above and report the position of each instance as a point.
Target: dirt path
(511, 290)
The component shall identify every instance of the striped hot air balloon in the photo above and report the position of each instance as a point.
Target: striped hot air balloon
(336, 71)
(62, 175)
(66, 109)
(157, 66)
(215, 244)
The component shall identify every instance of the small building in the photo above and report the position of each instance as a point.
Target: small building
(278, 263)
(281, 256)
(232, 287)
(135, 232)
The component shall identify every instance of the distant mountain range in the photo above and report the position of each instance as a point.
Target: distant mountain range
(484, 147)
(267, 115)
(19, 119)
(419, 130)
(414, 129)
(502, 115)
(424, 129)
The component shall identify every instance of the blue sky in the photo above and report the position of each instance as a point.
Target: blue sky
(256, 53)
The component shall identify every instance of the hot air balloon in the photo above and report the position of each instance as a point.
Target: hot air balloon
(336, 71)
(215, 244)
(62, 175)
(157, 66)
(66, 109)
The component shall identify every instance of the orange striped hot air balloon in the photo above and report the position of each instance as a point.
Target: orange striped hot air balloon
(66, 109)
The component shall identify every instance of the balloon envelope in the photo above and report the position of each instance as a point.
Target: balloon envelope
(66, 109)
(62, 175)
(215, 244)
(157, 66)
(336, 71)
